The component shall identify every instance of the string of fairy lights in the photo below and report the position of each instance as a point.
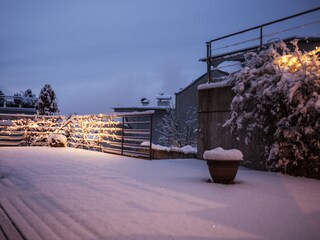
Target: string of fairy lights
(103, 132)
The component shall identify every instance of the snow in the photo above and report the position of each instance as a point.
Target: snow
(221, 154)
(66, 193)
(230, 66)
(57, 139)
(6, 123)
(224, 83)
(276, 103)
(185, 149)
(135, 112)
(164, 97)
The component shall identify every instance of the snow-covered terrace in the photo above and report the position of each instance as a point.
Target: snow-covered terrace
(67, 193)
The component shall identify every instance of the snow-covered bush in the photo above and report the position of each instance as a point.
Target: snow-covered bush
(57, 140)
(28, 99)
(278, 100)
(47, 102)
(2, 98)
(17, 99)
(24, 99)
(173, 134)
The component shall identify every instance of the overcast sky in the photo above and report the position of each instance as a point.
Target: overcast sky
(97, 54)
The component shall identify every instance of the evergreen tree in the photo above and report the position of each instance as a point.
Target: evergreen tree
(47, 102)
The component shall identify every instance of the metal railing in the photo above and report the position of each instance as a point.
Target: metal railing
(209, 44)
(17, 101)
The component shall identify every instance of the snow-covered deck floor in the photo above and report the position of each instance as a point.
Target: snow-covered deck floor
(68, 193)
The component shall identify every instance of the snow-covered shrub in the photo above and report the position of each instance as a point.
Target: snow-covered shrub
(57, 140)
(28, 99)
(47, 102)
(2, 98)
(278, 100)
(173, 134)
(17, 99)
(24, 99)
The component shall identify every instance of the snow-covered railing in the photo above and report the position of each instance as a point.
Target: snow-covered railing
(247, 38)
(17, 101)
(113, 133)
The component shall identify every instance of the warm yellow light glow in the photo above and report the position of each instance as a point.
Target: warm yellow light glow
(293, 62)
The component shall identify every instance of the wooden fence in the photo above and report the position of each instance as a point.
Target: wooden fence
(112, 133)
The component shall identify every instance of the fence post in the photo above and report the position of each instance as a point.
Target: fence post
(122, 135)
(100, 132)
(150, 147)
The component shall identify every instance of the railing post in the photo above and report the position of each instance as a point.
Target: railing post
(261, 37)
(208, 62)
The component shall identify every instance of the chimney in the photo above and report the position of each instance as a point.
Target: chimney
(163, 100)
(145, 101)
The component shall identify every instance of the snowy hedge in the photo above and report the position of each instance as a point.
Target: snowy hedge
(278, 100)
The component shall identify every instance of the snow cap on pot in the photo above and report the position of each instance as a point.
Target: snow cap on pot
(221, 154)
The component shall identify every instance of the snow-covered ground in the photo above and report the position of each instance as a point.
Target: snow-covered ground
(65, 193)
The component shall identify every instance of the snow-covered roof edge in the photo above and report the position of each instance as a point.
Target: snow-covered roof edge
(148, 112)
(225, 83)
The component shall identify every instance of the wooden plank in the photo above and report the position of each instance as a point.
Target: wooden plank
(2, 236)
(12, 137)
(10, 143)
(8, 228)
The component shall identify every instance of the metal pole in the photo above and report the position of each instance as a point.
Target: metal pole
(261, 38)
(150, 147)
(122, 135)
(208, 62)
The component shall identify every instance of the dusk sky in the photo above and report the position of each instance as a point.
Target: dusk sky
(98, 54)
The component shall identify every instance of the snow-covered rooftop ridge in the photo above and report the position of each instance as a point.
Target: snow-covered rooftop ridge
(142, 107)
(221, 154)
(224, 83)
(134, 113)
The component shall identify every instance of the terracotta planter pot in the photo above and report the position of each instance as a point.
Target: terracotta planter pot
(222, 171)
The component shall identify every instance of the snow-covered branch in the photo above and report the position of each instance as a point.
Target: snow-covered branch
(278, 98)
